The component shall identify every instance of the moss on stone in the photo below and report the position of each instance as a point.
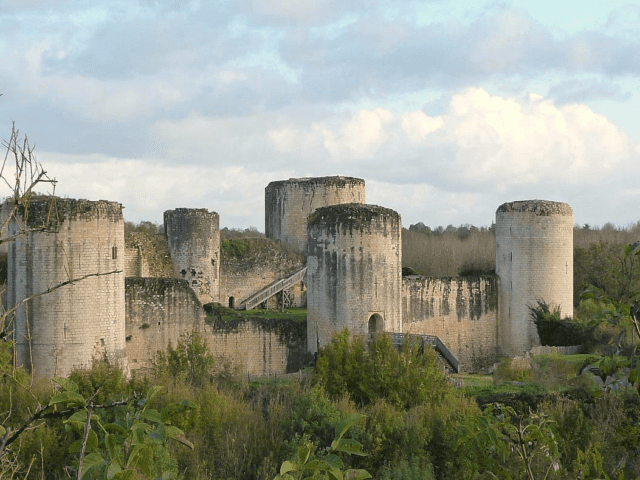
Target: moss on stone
(538, 207)
(154, 249)
(51, 212)
(308, 182)
(352, 214)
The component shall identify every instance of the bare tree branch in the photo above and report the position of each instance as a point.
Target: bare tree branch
(3, 317)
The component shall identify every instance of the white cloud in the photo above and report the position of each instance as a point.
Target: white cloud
(417, 125)
(147, 188)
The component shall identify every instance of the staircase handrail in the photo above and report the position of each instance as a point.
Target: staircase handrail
(270, 290)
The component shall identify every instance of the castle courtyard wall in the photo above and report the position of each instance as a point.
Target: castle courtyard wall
(462, 312)
(158, 311)
(259, 347)
(161, 310)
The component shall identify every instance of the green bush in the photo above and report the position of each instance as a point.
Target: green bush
(404, 378)
(557, 331)
(189, 360)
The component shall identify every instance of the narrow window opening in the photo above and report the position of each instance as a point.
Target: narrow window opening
(114, 253)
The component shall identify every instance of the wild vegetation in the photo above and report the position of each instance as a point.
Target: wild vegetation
(395, 414)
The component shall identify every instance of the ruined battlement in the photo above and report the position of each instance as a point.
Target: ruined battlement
(193, 235)
(289, 203)
(538, 207)
(354, 215)
(54, 211)
(314, 182)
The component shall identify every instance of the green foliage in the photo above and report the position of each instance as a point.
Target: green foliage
(330, 466)
(135, 443)
(610, 268)
(490, 439)
(408, 469)
(146, 227)
(235, 247)
(103, 382)
(227, 314)
(404, 378)
(189, 360)
(557, 331)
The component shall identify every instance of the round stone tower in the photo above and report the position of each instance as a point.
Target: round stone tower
(193, 235)
(354, 272)
(84, 320)
(534, 261)
(289, 203)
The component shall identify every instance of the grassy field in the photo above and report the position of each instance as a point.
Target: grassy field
(547, 374)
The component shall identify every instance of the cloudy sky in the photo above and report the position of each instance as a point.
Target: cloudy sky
(446, 109)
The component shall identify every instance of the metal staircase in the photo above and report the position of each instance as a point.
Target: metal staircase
(270, 290)
(444, 353)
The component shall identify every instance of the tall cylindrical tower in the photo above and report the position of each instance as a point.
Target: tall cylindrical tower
(193, 235)
(289, 203)
(534, 261)
(354, 272)
(81, 321)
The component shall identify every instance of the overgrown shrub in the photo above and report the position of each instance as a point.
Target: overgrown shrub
(556, 331)
(406, 377)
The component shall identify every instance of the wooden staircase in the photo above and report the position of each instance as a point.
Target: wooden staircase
(270, 290)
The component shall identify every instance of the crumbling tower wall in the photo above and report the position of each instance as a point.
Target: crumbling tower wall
(288, 204)
(194, 243)
(354, 266)
(534, 261)
(85, 320)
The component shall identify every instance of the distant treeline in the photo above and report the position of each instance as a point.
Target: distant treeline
(450, 251)
(469, 250)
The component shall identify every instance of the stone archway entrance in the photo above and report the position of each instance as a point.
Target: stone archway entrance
(376, 325)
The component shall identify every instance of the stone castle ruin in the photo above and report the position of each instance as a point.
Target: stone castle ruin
(352, 279)
(354, 272)
(76, 323)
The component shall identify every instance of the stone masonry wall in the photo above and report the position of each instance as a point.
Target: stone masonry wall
(260, 347)
(135, 263)
(289, 203)
(194, 243)
(161, 310)
(353, 272)
(147, 255)
(462, 312)
(158, 311)
(534, 261)
(241, 284)
(77, 323)
(250, 264)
